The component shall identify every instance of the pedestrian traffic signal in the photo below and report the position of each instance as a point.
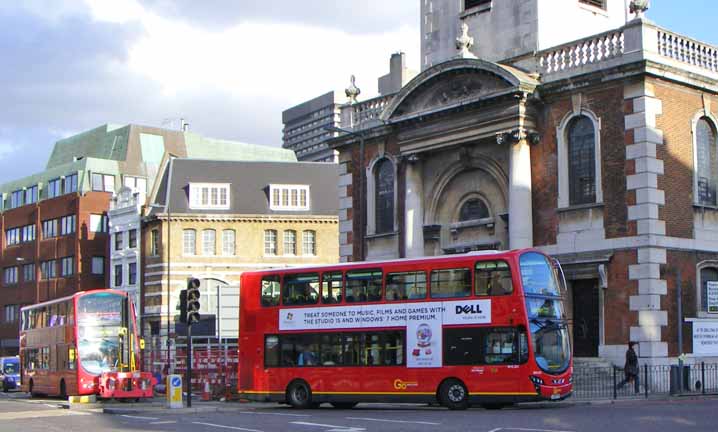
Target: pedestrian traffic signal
(193, 301)
(183, 306)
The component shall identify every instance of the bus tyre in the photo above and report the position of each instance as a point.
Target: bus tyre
(344, 405)
(299, 395)
(453, 395)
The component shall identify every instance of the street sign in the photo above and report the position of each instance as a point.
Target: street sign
(174, 391)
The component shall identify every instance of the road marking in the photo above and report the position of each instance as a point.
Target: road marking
(525, 430)
(392, 421)
(20, 415)
(163, 422)
(334, 428)
(277, 414)
(139, 417)
(227, 427)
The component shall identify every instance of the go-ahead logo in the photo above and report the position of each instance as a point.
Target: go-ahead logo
(468, 309)
(402, 385)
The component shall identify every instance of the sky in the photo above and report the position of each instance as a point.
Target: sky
(229, 67)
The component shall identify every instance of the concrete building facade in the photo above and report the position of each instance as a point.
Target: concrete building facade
(599, 151)
(212, 220)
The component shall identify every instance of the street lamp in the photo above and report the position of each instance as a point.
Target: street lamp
(360, 137)
(169, 255)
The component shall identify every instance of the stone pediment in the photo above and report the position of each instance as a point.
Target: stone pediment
(454, 83)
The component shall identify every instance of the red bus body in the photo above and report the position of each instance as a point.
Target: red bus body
(491, 375)
(61, 349)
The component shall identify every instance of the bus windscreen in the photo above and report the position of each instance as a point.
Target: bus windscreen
(99, 322)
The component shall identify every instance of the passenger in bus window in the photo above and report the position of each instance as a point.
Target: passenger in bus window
(306, 357)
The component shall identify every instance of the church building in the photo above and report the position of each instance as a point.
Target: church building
(578, 127)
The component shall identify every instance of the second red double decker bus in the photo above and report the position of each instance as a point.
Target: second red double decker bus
(84, 344)
(484, 328)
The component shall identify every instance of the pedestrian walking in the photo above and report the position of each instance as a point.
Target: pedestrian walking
(630, 369)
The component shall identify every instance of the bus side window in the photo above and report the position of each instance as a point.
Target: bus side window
(405, 286)
(363, 285)
(448, 283)
(523, 346)
(492, 278)
(332, 287)
(270, 290)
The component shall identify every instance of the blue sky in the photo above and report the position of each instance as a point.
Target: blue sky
(230, 67)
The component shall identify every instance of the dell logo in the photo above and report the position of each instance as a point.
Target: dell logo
(468, 309)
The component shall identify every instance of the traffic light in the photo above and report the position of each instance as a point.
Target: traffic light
(192, 301)
(183, 306)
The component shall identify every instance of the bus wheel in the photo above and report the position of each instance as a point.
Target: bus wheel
(344, 405)
(63, 390)
(299, 395)
(453, 394)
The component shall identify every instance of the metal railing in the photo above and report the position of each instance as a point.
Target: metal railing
(603, 382)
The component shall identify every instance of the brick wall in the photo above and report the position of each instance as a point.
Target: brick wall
(617, 316)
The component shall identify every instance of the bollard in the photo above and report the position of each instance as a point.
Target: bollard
(206, 395)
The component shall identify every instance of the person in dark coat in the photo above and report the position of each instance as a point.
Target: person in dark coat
(630, 369)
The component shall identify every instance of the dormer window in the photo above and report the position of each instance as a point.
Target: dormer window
(209, 196)
(601, 4)
(289, 197)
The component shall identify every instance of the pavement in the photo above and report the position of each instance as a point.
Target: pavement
(158, 405)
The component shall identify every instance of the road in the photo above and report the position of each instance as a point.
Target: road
(17, 413)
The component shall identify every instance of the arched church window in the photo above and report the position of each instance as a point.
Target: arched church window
(384, 199)
(473, 209)
(706, 169)
(709, 275)
(581, 161)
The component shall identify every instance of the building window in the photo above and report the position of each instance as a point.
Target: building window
(270, 242)
(68, 266)
(16, 198)
(118, 275)
(70, 183)
(208, 242)
(49, 228)
(103, 182)
(706, 165)
(289, 197)
(28, 272)
(12, 236)
(581, 156)
(189, 241)
(98, 265)
(10, 275)
(67, 224)
(132, 234)
(228, 242)
(309, 243)
(473, 209)
(10, 313)
(48, 269)
(209, 196)
(709, 289)
(119, 240)
(601, 4)
(468, 4)
(155, 245)
(31, 195)
(384, 199)
(132, 273)
(290, 242)
(98, 223)
(54, 188)
(29, 233)
(137, 184)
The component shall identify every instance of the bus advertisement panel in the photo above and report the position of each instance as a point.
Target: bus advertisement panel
(487, 328)
(83, 344)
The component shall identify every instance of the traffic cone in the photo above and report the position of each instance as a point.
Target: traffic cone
(205, 392)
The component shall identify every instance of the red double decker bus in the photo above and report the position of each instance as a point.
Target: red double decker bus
(81, 345)
(485, 328)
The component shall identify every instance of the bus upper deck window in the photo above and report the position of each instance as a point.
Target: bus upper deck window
(270, 290)
(493, 278)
